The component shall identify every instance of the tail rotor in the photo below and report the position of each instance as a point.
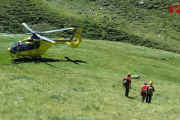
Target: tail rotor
(76, 38)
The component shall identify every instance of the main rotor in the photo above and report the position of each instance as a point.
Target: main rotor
(36, 34)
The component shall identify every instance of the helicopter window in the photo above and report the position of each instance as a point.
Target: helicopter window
(23, 46)
(34, 45)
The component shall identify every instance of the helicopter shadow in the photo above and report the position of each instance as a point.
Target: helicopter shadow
(45, 60)
(74, 61)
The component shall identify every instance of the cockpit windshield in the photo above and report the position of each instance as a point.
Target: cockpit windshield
(14, 48)
(18, 47)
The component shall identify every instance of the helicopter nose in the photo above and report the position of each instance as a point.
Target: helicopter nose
(9, 49)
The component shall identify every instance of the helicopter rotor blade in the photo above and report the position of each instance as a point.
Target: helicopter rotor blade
(26, 26)
(71, 28)
(44, 38)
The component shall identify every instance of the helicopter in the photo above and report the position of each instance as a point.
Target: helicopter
(36, 45)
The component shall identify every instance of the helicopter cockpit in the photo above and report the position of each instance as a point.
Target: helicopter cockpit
(25, 46)
(18, 47)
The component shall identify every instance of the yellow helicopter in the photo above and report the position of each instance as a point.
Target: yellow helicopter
(36, 45)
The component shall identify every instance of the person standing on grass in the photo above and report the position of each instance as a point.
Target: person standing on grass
(127, 84)
(150, 90)
(143, 91)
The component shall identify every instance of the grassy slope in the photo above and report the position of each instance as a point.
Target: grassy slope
(92, 88)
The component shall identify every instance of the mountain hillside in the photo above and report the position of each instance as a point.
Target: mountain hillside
(147, 22)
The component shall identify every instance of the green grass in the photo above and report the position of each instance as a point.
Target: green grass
(89, 85)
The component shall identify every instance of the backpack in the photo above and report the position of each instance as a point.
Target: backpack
(150, 90)
(125, 81)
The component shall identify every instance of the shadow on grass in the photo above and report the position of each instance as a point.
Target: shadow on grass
(39, 60)
(74, 61)
(45, 60)
(131, 98)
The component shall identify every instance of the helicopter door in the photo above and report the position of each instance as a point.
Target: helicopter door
(23, 46)
(33, 45)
